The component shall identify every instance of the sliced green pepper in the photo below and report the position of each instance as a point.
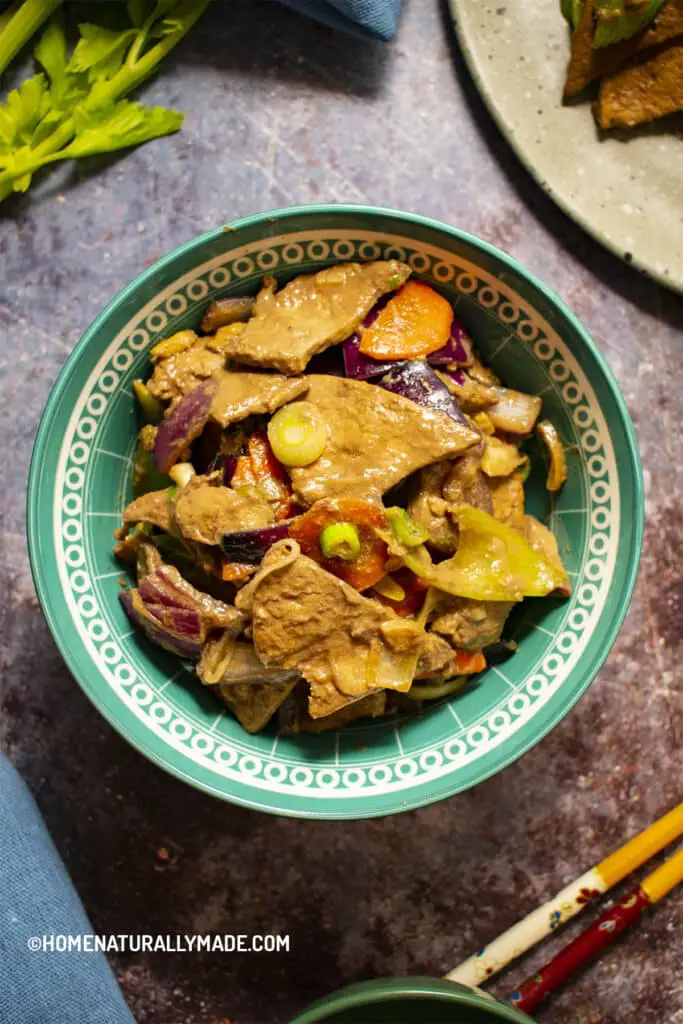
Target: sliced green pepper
(630, 21)
(152, 408)
(572, 10)
(146, 476)
(437, 688)
(406, 530)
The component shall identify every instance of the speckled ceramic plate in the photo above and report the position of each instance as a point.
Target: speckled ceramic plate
(80, 482)
(627, 192)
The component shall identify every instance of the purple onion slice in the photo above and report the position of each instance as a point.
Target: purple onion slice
(185, 423)
(248, 547)
(458, 349)
(417, 381)
(182, 639)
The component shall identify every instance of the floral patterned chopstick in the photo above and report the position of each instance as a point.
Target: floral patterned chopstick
(570, 901)
(604, 931)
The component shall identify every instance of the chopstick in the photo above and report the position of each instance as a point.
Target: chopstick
(599, 935)
(570, 901)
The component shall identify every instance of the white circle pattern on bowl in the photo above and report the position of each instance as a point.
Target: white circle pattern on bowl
(228, 757)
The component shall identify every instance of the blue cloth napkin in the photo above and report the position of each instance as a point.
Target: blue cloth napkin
(36, 899)
(362, 17)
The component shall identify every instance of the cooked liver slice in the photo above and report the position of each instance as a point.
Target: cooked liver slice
(507, 495)
(436, 654)
(376, 439)
(303, 617)
(471, 624)
(177, 375)
(254, 704)
(153, 507)
(467, 485)
(203, 514)
(428, 507)
(311, 313)
(249, 394)
(373, 705)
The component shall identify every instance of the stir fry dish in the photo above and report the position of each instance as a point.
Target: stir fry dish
(328, 515)
(635, 49)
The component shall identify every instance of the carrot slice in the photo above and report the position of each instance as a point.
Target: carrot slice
(234, 572)
(244, 475)
(259, 468)
(414, 323)
(467, 663)
(463, 663)
(369, 567)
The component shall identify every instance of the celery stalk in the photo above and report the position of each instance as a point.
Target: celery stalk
(24, 22)
(134, 71)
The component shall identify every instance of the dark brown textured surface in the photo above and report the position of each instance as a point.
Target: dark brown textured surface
(280, 111)
(587, 63)
(646, 89)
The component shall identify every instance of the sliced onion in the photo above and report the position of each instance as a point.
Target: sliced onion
(458, 349)
(436, 689)
(358, 366)
(182, 473)
(417, 381)
(167, 588)
(229, 467)
(557, 474)
(515, 412)
(185, 423)
(248, 547)
(185, 622)
(330, 362)
(456, 375)
(222, 312)
(501, 459)
(182, 640)
(155, 591)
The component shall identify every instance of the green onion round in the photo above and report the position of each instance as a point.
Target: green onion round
(340, 540)
(406, 530)
(297, 434)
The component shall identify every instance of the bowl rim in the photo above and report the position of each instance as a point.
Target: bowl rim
(382, 990)
(273, 217)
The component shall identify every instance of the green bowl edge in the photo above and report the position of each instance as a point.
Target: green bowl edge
(381, 990)
(272, 216)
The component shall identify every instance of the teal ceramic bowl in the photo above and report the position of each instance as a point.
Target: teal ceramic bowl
(80, 482)
(409, 1001)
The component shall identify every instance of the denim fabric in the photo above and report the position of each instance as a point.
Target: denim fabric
(364, 17)
(36, 899)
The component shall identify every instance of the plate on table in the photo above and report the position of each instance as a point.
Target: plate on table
(627, 191)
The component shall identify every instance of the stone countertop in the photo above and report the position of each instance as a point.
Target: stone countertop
(280, 111)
